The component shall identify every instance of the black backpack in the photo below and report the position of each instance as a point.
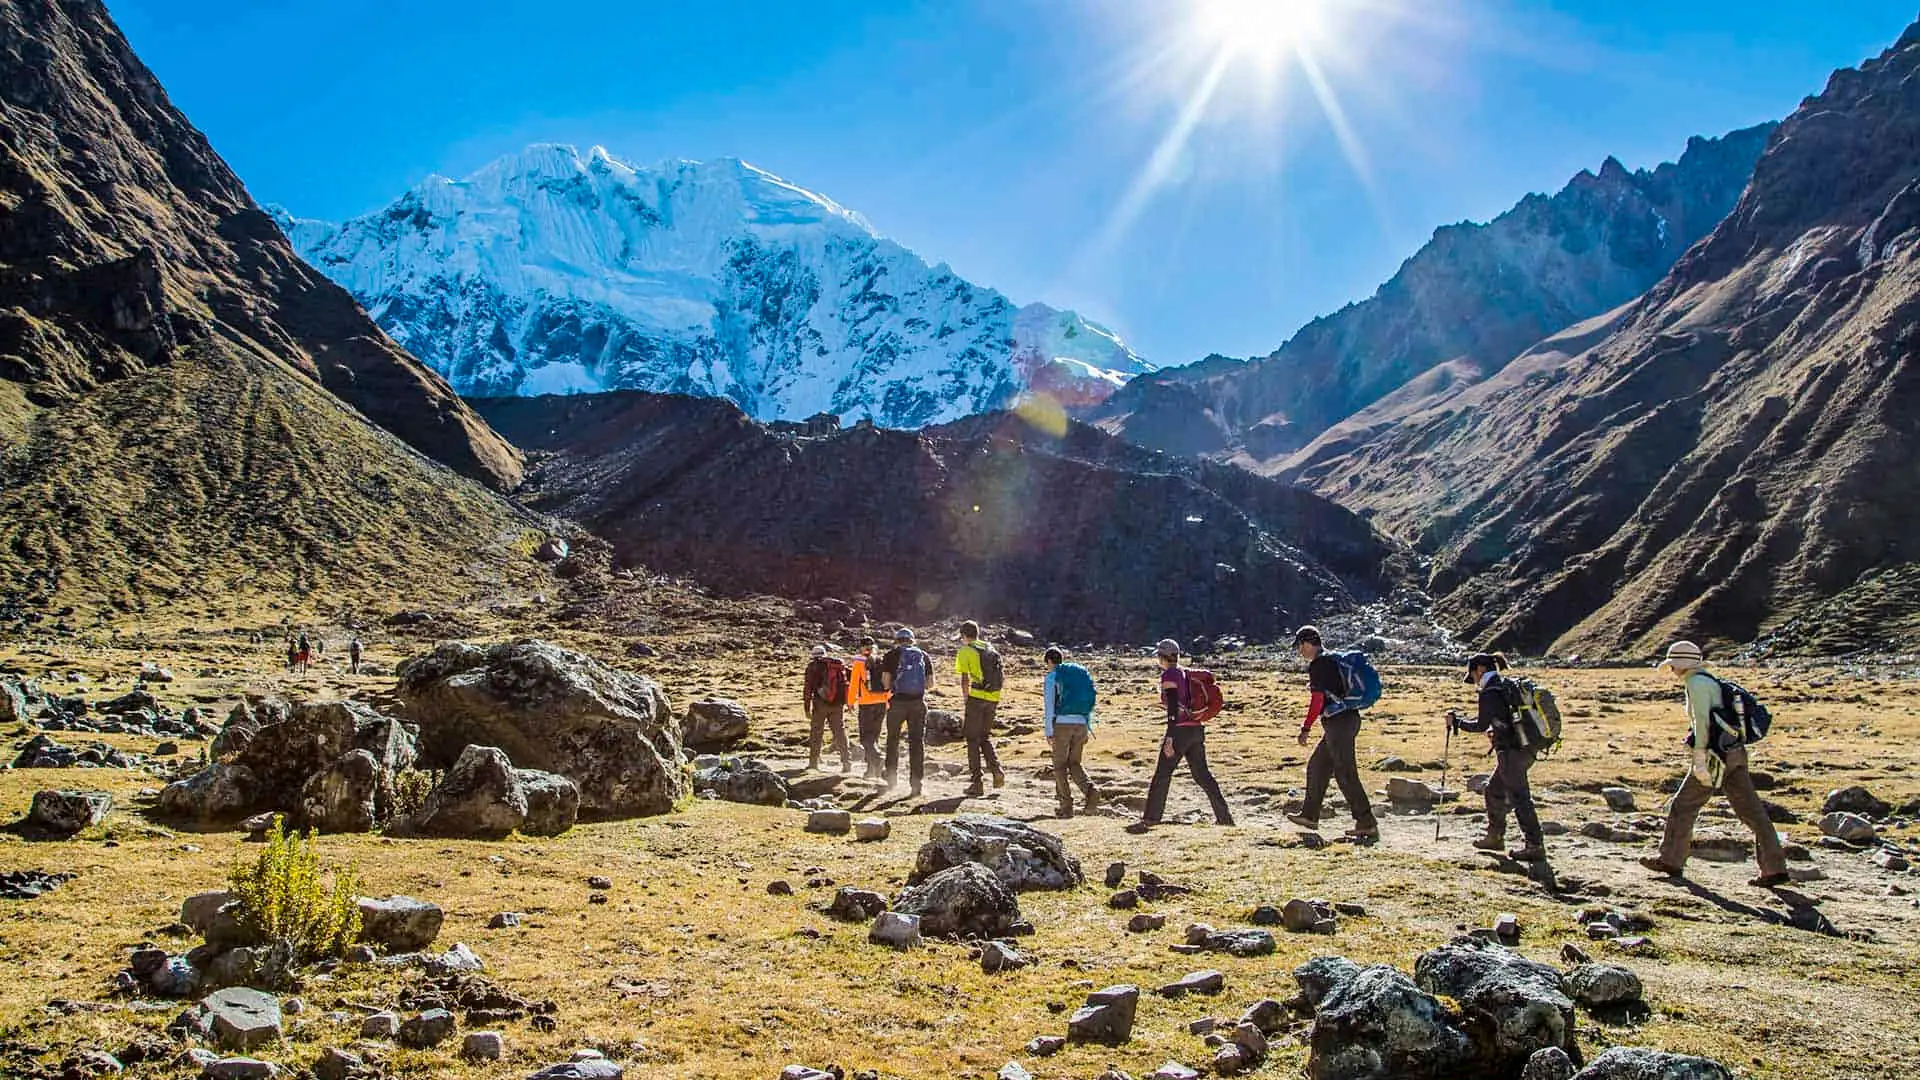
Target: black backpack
(1740, 719)
(875, 677)
(992, 673)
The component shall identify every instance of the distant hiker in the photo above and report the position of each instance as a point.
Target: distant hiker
(1334, 759)
(826, 706)
(1513, 754)
(1725, 721)
(293, 653)
(320, 646)
(981, 678)
(353, 654)
(1189, 704)
(303, 652)
(1067, 698)
(869, 694)
(906, 671)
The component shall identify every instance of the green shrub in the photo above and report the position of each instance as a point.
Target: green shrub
(288, 900)
(410, 790)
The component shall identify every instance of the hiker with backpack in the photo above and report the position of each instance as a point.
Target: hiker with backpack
(981, 677)
(303, 652)
(1501, 718)
(1725, 721)
(1340, 688)
(825, 688)
(869, 698)
(906, 672)
(353, 655)
(1191, 698)
(1067, 700)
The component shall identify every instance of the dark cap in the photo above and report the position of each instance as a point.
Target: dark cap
(1305, 634)
(1168, 647)
(1485, 662)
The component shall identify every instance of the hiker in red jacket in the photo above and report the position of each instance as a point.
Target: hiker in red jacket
(1185, 740)
(825, 705)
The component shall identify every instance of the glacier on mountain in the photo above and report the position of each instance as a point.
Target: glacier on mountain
(552, 272)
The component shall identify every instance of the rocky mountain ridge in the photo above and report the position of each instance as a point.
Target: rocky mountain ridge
(549, 271)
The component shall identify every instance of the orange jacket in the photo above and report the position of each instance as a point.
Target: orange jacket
(858, 694)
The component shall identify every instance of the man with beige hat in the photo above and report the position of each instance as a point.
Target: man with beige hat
(1719, 765)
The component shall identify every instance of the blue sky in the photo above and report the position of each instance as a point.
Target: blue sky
(1010, 138)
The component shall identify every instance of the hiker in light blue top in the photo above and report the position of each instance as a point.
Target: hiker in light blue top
(1067, 700)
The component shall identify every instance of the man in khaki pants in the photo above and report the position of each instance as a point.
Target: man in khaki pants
(1067, 705)
(1719, 766)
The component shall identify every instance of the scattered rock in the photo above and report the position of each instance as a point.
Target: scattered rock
(1248, 942)
(1856, 800)
(239, 1068)
(1632, 1063)
(1506, 927)
(1411, 792)
(1522, 999)
(963, 901)
(1013, 1070)
(1887, 859)
(398, 924)
(779, 888)
(1604, 986)
(28, 884)
(1265, 915)
(751, 782)
(1116, 873)
(381, 1025)
(998, 956)
(1619, 799)
(337, 1064)
(1124, 900)
(1021, 856)
(832, 822)
(427, 1030)
(1851, 827)
(1548, 1063)
(457, 959)
(1145, 923)
(64, 813)
(1106, 1018)
(1722, 847)
(1173, 1070)
(871, 830)
(856, 905)
(594, 1068)
(1045, 1045)
(505, 920)
(895, 929)
(715, 724)
(1198, 982)
(1373, 1023)
(238, 1018)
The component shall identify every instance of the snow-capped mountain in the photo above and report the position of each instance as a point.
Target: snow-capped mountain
(551, 272)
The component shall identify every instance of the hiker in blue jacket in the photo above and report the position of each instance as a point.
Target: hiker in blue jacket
(1067, 700)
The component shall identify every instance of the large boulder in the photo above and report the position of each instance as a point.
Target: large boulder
(219, 792)
(480, 796)
(15, 696)
(247, 718)
(965, 901)
(743, 780)
(1633, 1063)
(341, 797)
(715, 724)
(553, 803)
(1021, 856)
(64, 813)
(1511, 1006)
(610, 732)
(1375, 1024)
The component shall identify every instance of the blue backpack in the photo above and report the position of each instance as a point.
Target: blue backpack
(1072, 691)
(910, 678)
(1363, 683)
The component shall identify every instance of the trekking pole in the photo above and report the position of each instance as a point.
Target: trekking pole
(1446, 751)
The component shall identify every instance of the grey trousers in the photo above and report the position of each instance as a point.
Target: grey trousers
(1334, 760)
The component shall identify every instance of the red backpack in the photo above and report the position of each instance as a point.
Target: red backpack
(833, 682)
(1203, 698)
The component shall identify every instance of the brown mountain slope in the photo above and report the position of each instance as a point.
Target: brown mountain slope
(178, 393)
(1741, 448)
(124, 237)
(1079, 537)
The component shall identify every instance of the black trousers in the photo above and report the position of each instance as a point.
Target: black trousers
(872, 719)
(1334, 760)
(976, 724)
(1509, 792)
(909, 714)
(1190, 746)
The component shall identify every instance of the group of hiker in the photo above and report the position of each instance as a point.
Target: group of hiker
(303, 649)
(1520, 720)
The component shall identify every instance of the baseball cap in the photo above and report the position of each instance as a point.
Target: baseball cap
(905, 633)
(819, 650)
(1168, 647)
(1306, 634)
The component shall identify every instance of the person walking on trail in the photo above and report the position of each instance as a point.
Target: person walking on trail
(293, 654)
(1720, 765)
(869, 698)
(353, 655)
(825, 690)
(1335, 758)
(1185, 740)
(1508, 792)
(1067, 700)
(906, 673)
(303, 652)
(981, 678)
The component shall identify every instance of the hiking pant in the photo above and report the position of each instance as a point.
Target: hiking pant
(909, 713)
(1508, 792)
(976, 726)
(1737, 785)
(1069, 741)
(829, 716)
(872, 718)
(1190, 746)
(1334, 760)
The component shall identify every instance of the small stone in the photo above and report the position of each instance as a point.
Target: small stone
(1852, 828)
(1507, 927)
(429, 1029)
(779, 888)
(1116, 873)
(1241, 942)
(856, 905)
(1013, 1070)
(1889, 860)
(1173, 1070)
(597, 898)
(1299, 916)
(1230, 1060)
(830, 822)
(1124, 900)
(1619, 799)
(1574, 954)
(1202, 1026)
(1266, 1014)
(337, 1064)
(381, 1025)
(239, 1068)
(1548, 1063)
(594, 1068)
(241, 1018)
(1856, 800)
(1351, 910)
(998, 956)
(1411, 792)
(1198, 982)
(458, 958)
(64, 813)
(483, 1046)
(1604, 986)
(399, 924)
(505, 920)
(195, 1057)
(1045, 1045)
(872, 830)
(198, 911)
(1265, 915)
(893, 929)
(597, 882)
(1107, 1017)
(1145, 923)
(293, 1006)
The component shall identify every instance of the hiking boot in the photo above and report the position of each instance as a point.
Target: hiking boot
(1092, 802)
(1139, 828)
(1771, 881)
(1224, 823)
(1305, 822)
(974, 790)
(1491, 842)
(916, 791)
(1064, 813)
(1365, 835)
(1659, 866)
(1528, 853)
(813, 765)
(999, 779)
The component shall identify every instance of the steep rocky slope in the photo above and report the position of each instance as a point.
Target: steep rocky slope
(1734, 449)
(552, 272)
(1466, 303)
(177, 390)
(1074, 534)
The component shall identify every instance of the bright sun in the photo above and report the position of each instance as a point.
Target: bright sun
(1265, 30)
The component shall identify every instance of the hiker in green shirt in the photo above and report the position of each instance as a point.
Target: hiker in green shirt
(981, 676)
